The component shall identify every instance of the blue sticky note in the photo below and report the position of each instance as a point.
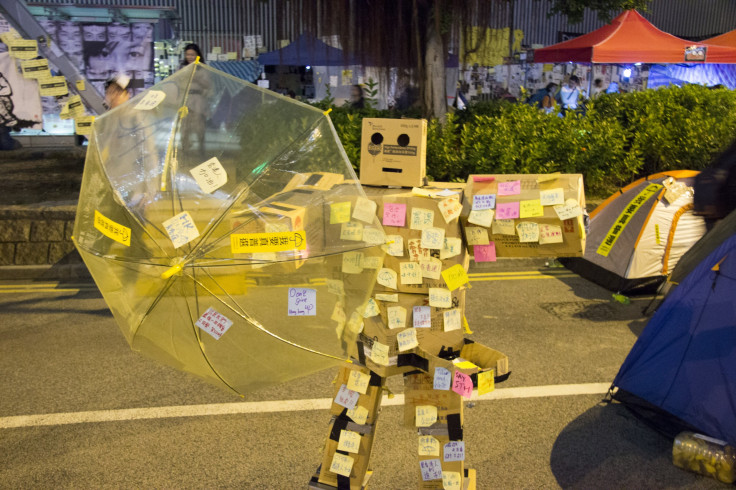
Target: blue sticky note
(442, 379)
(484, 201)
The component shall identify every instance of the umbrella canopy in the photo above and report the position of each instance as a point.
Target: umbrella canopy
(630, 38)
(208, 242)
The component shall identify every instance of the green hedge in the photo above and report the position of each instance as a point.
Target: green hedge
(620, 138)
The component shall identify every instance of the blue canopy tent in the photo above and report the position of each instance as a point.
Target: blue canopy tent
(681, 373)
(307, 50)
(245, 70)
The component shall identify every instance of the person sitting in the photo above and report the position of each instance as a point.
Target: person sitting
(569, 95)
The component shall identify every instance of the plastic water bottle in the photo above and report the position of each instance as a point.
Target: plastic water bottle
(705, 455)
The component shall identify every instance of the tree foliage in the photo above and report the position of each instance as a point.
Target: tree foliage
(574, 9)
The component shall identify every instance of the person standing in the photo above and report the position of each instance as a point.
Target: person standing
(357, 101)
(195, 122)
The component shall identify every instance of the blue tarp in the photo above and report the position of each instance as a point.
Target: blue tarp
(684, 362)
(245, 70)
(307, 50)
(708, 74)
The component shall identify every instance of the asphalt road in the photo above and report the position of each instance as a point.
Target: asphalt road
(79, 409)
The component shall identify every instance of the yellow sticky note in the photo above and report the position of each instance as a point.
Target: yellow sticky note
(440, 298)
(450, 208)
(379, 355)
(339, 212)
(365, 210)
(52, 86)
(358, 381)
(486, 381)
(431, 268)
(23, 49)
(395, 245)
(481, 217)
(433, 238)
(455, 277)
(531, 208)
(359, 414)
(373, 236)
(552, 197)
(111, 229)
(504, 227)
(268, 242)
(373, 262)
(451, 248)
(232, 55)
(352, 231)
(83, 125)
(416, 252)
(426, 415)
(407, 339)
(550, 234)
(451, 480)
(466, 326)
(387, 278)
(396, 317)
(35, 68)
(452, 320)
(352, 262)
(342, 464)
(476, 235)
(80, 85)
(571, 209)
(528, 232)
(429, 446)
(75, 107)
(421, 218)
(371, 309)
(410, 272)
(463, 364)
(349, 441)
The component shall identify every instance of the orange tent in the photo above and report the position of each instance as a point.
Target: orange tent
(727, 39)
(630, 38)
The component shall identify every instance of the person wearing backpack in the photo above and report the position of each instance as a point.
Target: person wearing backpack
(544, 98)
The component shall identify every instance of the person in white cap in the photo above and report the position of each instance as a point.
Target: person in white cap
(116, 90)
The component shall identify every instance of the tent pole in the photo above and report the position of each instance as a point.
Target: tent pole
(590, 79)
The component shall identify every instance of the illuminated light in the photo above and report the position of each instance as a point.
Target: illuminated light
(627, 72)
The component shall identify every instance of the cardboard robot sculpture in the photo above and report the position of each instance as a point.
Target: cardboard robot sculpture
(257, 258)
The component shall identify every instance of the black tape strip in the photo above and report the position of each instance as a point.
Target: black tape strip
(413, 360)
(361, 353)
(341, 422)
(393, 170)
(280, 208)
(375, 380)
(454, 428)
(343, 482)
(502, 378)
(313, 179)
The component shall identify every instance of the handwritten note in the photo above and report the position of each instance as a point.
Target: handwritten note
(342, 464)
(371, 309)
(373, 236)
(365, 210)
(571, 209)
(483, 201)
(528, 232)
(214, 323)
(486, 381)
(396, 317)
(429, 446)
(359, 414)
(373, 262)
(426, 415)
(531, 208)
(387, 278)
(347, 398)
(483, 217)
(421, 218)
(433, 238)
(150, 100)
(422, 317)
(442, 379)
(395, 245)
(454, 451)
(407, 339)
(504, 227)
(209, 175)
(451, 248)
(416, 252)
(358, 381)
(455, 277)
(302, 302)
(550, 234)
(507, 210)
(451, 480)
(352, 262)
(450, 208)
(349, 441)
(431, 268)
(410, 273)
(484, 253)
(552, 197)
(511, 188)
(431, 469)
(440, 298)
(181, 229)
(352, 231)
(339, 212)
(453, 320)
(389, 298)
(394, 214)
(462, 384)
(379, 355)
(475, 235)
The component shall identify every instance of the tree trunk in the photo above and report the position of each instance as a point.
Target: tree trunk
(435, 96)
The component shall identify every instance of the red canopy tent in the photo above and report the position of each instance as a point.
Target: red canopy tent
(727, 39)
(630, 38)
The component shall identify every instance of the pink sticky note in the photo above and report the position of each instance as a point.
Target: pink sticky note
(509, 188)
(483, 178)
(507, 210)
(462, 384)
(394, 214)
(485, 253)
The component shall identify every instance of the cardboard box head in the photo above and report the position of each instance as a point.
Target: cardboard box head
(393, 152)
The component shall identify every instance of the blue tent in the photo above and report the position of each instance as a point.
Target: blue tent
(245, 70)
(681, 373)
(307, 50)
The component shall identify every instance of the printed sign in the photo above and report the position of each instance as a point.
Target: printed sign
(110, 229)
(270, 242)
(214, 323)
(35, 68)
(83, 125)
(624, 218)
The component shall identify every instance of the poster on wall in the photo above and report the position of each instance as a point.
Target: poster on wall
(20, 104)
(104, 50)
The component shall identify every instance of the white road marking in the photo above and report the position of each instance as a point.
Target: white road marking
(271, 406)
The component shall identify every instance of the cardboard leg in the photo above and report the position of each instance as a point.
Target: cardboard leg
(350, 439)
